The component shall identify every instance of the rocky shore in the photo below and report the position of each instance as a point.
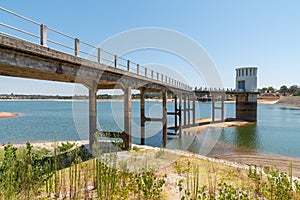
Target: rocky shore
(289, 101)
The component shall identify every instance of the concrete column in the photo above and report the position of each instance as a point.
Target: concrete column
(189, 110)
(246, 106)
(184, 110)
(222, 106)
(127, 116)
(128, 65)
(194, 110)
(164, 97)
(92, 115)
(116, 61)
(180, 115)
(142, 109)
(77, 47)
(43, 35)
(176, 112)
(213, 107)
(99, 55)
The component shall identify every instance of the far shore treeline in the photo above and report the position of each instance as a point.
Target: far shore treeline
(284, 90)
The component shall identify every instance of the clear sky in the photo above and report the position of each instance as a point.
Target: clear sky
(263, 33)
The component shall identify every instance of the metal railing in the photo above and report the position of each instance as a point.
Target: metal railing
(99, 55)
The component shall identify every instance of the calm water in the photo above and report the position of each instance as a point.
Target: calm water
(277, 130)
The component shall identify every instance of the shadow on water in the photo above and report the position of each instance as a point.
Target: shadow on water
(247, 136)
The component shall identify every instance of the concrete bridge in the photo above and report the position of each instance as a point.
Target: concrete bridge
(25, 59)
(101, 70)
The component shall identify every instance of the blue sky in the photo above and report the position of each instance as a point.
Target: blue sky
(234, 33)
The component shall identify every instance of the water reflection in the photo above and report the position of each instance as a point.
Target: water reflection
(246, 136)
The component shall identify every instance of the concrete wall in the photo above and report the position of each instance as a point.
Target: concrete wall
(249, 75)
(246, 107)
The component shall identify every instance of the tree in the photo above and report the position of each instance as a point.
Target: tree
(297, 93)
(283, 90)
(293, 89)
(271, 89)
(263, 90)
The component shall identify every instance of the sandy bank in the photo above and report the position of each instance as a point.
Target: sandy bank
(8, 114)
(198, 129)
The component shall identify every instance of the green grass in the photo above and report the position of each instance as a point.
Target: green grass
(25, 173)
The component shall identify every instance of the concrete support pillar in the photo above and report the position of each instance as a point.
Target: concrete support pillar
(222, 107)
(189, 110)
(176, 111)
(127, 116)
(184, 110)
(194, 111)
(143, 120)
(164, 120)
(213, 107)
(246, 106)
(92, 115)
(180, 115)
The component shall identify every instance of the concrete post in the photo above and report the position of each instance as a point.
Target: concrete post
(127, 116)
(189, 110)
(77, 47)
(128, 65)
(146, 72)
(99, 55)
(152, 74)
(92, 115)
(222, 106)
(116, 61)
(180, 114)
(194, 111)
(165, 128)
(213, 107)
(138, 69)
(43, 35)
(142, 109)
(176, 112)
(184, 110)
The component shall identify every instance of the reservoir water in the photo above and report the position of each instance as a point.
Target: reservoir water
(277, 130)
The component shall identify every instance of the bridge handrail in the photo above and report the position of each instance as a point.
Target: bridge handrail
(101, 55)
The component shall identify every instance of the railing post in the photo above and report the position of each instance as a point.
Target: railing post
(152, 74)
(145, 72)
(157, 76)
(128, 65)
(43, 35)
(138, 69)
(116, 61)
(162, 78)
(77, 47)
(99, 55)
